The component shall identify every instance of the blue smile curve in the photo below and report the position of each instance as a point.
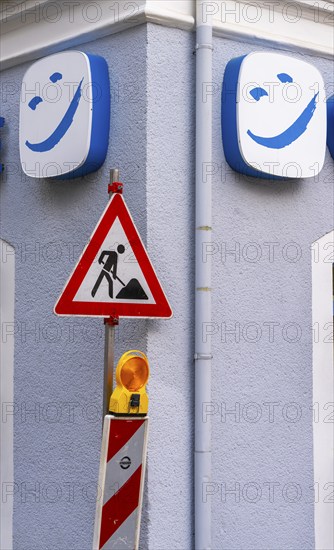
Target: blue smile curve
(292, 133)
(61, 129)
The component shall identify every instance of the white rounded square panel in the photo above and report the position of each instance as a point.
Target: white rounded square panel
(275, 108)
(64, 115)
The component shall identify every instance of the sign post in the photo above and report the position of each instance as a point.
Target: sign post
(111, 322)
(109, 358)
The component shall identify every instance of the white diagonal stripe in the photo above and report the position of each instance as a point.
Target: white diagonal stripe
(132, 449)
(124, 538)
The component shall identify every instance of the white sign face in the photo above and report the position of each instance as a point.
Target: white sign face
(115, 274)
(64, 115)
(280, 116)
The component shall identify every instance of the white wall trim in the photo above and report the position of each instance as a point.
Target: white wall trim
(303, 25)
(33, 28)
(323, 389)
(7, 298)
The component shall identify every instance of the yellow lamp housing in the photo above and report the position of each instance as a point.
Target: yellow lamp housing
(130, 397)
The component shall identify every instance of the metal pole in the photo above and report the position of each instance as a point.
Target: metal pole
(203, 272)
(109, 358)
(109, 337)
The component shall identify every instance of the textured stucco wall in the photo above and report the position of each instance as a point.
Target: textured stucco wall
(60, 360)
(267, 290)
(267, 460)
(170, 183)
(152, 140)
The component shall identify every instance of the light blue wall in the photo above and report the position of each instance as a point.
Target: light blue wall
(170, 199)
(69, 370)
(258, 455)
(254, 211)
(152, 140)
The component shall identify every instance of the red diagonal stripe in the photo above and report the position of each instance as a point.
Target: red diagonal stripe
(120, 433)
(119, 507)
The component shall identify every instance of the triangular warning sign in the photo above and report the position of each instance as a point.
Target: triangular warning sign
(114, 276)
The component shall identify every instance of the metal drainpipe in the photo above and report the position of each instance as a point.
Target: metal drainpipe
(204, 53)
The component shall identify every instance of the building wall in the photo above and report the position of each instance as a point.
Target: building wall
(170, 195)
(262, 292)
(60, 360)
(152, 72)
(267, 460)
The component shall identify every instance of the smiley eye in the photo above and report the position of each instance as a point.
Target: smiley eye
(283, 77)
(257, 93)
(55, 77)
(34, 102)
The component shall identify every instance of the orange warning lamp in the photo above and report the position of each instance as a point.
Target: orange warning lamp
(130, 397)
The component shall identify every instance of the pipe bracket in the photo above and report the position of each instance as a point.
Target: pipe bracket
(203, 47)
(206, 357)
(204, 228)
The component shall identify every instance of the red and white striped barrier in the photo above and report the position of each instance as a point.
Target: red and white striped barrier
(121, 482)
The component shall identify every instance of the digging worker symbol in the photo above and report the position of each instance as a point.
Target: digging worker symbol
(131, 291)
(109, 270)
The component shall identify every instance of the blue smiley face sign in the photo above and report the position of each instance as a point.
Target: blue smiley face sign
(273, 116)
(64, 115)
(330, 125)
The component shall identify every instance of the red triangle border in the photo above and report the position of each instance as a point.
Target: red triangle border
(67, 307)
